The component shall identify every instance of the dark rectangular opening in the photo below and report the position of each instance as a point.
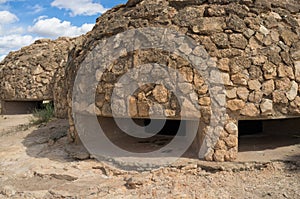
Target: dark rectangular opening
(250, 127)
(20, 107)
(170, 127)
(260, 135)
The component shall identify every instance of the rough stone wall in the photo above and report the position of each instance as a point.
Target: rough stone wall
(32, 73)
(255, 45)
(60, 87)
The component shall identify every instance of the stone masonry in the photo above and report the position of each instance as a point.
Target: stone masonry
(250, 59)
(254, 45)
(34, 73)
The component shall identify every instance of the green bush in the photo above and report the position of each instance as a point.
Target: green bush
(44, 114)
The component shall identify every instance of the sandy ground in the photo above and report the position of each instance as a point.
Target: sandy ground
(9, 123)
(38, 162)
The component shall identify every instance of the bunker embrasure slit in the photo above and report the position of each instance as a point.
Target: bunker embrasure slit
(170, 127)
(20, 107)
(261, 135)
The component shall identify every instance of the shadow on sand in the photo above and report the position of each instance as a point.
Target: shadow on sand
(50, 141)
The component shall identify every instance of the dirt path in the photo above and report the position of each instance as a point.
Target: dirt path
(39, 163)
(9, 123)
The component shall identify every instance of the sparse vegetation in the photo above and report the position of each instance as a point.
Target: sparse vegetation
(44, 114)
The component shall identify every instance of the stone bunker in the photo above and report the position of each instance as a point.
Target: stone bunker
(32, 75)
(252, 46)
(248, 58)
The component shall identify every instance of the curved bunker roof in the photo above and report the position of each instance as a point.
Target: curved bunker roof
(32, 73)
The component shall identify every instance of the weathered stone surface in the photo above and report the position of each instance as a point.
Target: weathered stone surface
(232, 93)
(280, 97)
(275, 35)
(189, 110)
(249, 33)
(205, 101)
(93, 110)
(283, 84)
(223, 64)
(161, 94)
(268, 87)
(254, 44)
(293, 92)
(132, 3)
(286, 58)
(185, 88)
(35, 73)
(288, 37)
(240, 79)
(250, 48)
(285, 71)
(238, 41)
(256, 97)
(210, 25)
(243, 93)
(297, 70)
(250, 110)
(269, 70)
(236, 24)
(221, 145)
(106, 110)
(238, 64)
(255, 72)
(202, 90)
(184, 48)
(266, 107)
(235, 105)
(170, 113)
(219, 155)
(254, 85)
(221, 40)
(143, 109)
(231, 128)
(216, 11)
(231, 154)
(188, 73)
(264, 30)
(231, 141)
(226, 79)
(133, 111)
(295, 106)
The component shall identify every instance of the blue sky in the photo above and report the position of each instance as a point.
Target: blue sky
(24, 21)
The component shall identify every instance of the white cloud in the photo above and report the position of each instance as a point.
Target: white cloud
(2, 57)
(36, 9)
(14, 35)
(7, 17)
(13, 42)
(40, 18)
(54, 27)
(11, 37)
(7, 30)
(6, 23)
(79, 7)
